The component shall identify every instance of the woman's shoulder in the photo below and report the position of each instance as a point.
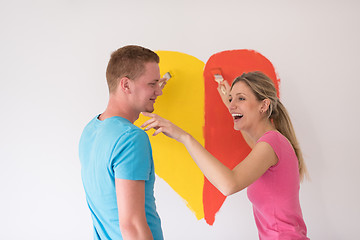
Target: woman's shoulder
(276, 140)
(273, 135)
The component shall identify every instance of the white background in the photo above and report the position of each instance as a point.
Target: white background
(53, 56)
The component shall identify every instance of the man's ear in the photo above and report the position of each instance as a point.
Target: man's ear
(124, 84)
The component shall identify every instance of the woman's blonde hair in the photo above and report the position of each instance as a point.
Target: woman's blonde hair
(264, 88)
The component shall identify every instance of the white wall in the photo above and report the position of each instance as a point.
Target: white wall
(53, 56)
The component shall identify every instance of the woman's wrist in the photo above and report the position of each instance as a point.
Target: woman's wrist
(185, 138)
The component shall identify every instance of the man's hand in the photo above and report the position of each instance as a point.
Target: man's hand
(162, 82)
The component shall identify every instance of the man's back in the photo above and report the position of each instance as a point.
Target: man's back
(109, 149)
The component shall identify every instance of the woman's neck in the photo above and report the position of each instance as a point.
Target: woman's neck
(251, 136)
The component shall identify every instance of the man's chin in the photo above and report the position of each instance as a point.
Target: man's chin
(149, 110)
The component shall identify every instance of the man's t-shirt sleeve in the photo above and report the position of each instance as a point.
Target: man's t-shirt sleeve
(132, 156)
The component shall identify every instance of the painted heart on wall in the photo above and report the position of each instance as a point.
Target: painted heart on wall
(191, 101)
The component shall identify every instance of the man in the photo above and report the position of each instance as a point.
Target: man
(116, 158)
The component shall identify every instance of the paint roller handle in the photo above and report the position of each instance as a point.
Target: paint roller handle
(164, 79)
(224, 91)
(162, 82)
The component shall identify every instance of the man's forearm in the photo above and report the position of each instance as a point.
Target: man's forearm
(136, 231)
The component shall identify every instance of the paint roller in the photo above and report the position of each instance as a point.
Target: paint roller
(167, 76)
(218, 78)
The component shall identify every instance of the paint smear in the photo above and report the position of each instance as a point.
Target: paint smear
(221, 140)
(191, 101)
(182, 103)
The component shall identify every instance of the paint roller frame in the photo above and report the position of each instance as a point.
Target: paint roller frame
(218, 77)
(167, 77)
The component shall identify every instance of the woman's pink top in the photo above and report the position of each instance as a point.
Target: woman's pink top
(275, 195)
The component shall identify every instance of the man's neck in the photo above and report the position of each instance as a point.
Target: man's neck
(114, 108)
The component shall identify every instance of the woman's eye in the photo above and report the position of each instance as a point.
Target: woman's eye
(241, 99)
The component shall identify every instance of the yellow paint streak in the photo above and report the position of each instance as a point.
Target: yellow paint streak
(182, 103)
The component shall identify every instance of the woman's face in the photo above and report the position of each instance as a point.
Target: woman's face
(244, 107)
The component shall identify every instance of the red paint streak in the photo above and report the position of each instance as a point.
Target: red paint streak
(221, 140)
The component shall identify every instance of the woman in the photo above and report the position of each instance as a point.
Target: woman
(273, 169)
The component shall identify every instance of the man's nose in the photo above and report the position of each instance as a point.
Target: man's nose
(158, 90)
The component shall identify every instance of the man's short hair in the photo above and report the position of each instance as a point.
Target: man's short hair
(128, 61)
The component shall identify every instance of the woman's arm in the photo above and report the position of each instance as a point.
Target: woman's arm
(225, 180)
(231, 181)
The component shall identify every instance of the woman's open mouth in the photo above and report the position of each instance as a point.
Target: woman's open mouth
(237, 116)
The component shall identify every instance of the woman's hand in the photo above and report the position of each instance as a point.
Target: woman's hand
(224, 91)
(165, 126)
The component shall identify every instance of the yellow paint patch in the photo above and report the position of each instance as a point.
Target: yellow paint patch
(182, 103)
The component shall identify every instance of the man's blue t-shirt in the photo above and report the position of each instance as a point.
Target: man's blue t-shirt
(109, 149)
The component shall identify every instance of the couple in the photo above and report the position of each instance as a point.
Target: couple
(116, 158)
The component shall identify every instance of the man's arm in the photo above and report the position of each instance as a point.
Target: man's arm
(131, 205)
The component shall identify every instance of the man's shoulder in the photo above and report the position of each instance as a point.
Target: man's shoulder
(123, 129)
(114, 127)
(125, 126)
(135, 133)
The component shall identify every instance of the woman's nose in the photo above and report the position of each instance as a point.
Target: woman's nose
(231, 105)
